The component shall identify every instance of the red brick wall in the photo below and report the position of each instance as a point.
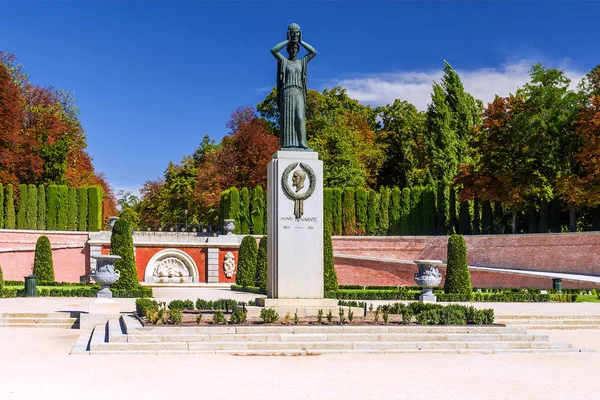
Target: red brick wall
(577, 253)
(222, 252)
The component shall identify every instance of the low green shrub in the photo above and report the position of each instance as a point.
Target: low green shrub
(175, 316)
(142, 304)
(181, 305)
(428, 317)
(248, 289)
(221, 304)
(219, 318)
(269, 315)
(239, 316)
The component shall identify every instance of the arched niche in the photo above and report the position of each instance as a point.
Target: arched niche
(171, 266)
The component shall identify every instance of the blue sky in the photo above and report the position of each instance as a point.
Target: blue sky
(152, 78)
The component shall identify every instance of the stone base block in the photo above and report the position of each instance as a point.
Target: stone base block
(104, 306)
(89, 320)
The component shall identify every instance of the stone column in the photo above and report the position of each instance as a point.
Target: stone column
(295, 225)
(213, 265)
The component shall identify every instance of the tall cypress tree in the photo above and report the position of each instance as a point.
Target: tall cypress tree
(360, 198)
(395, 211)
(9, 215)
(1, 208)
(261, 265)
(336, 211)
(544, 217)
(94, 208)
(41, 210)
(405, 223)
(429, 208)
(234, 207)
(443, 209)
(52, 208)
(327, 209)
(82, 209)
(22, 208)
(330, 280)
(348, 212)
(384, 210)
(373, 213)
(223, 209)
(416, 210)
(487, 218)
(121, 244)
(63, 207)
(246, 270)
(465, 218)
(454, 223)
(498, 214)
(72, 210)
(32, 204)
(244, 211)
(43, 265)
(476, 217)
(257, 205)
(555, 215)
(458, 279)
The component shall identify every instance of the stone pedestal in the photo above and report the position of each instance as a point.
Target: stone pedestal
(295, 226)
(100, 311)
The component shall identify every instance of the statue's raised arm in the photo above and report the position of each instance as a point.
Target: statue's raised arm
(291, 89)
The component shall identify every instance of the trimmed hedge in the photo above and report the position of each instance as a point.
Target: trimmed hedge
(9, 216)
(94, 208)
(248, 289)
(22, 208)
(261, 265)
(348, 212)
(63, 207)
(257, 213)
(246, 270)
(416, 210)
(244, 223)
(121, 244)
(405, 225)
(395, 211)
(464, 218)
(442, 209)
(384, 206)
(360, 198)
(372, 213)
(82, 208)
(487, 218)
(43, 266)
(52, 208)
(41, 209)
(234, 208)
(336, 211)
(32, 207)
(1, 206)
(328, 209)
(72, 210)
(458, 279)
(429, 217)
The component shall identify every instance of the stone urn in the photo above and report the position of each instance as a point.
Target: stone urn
(428, 277)
(104, 274)
(229, 226)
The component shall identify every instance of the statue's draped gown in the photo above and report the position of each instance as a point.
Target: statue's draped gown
(291, 85)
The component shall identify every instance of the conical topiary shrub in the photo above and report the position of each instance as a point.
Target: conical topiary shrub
(261, 265)
(121, 244)
(42, 262)
(458, 279)
(330, 281)
(246, 270)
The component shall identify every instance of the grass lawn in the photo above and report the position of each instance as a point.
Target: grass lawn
(588, 298)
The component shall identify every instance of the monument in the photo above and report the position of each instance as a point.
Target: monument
(295, 195)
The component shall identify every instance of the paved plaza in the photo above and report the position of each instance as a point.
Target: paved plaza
(37, 363)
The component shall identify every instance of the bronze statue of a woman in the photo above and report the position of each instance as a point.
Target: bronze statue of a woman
(291, 89)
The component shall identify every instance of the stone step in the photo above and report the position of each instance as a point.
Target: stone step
(561, 327)
(38, 325)
(549, 317)
(38, 320)
(40, 315)
(549, 321)
(334, 337)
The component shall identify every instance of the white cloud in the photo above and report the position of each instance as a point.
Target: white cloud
(415, 86)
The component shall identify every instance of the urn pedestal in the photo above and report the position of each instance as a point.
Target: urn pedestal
(104, 308)
(428, 277)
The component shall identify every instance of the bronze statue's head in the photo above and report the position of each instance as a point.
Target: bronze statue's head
(292, 49)
(294, 33)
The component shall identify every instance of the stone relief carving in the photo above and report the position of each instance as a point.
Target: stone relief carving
(171, 267)
(298, 178)
(229, 265)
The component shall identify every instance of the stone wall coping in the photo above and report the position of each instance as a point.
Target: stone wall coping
(32, 248)
(43, 232)
(503, 235)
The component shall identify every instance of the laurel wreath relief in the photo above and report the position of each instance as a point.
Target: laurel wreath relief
(289, 192)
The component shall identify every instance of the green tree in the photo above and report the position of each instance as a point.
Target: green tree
(82, 208)
(458, 279)
(443, 209)
(22, 208)
(416, 210)
(41, 209)
(384, 207)
(261, 265)
(429, 209)
(234, 207)
(32, 204)
(10, 221)
(121, 244)
(327, 209)
(348, 212)
(464, 218)
(257, 205)
(244, 211)
(330, 280)
(132, 216)
(63, 207)
(246, 270)
(43, 266)
(72, 210)
(476, 217)
(336, 211)
(360, 198)
(487, 219)
(373, 213)
(224, 209)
